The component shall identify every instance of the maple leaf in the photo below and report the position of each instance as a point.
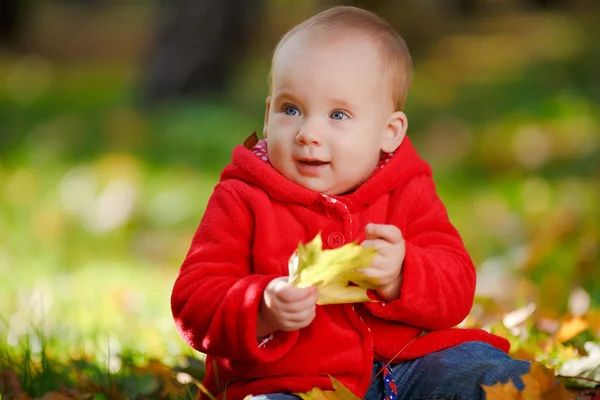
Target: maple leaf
(333, 272)
(540, 383)
(502, 391)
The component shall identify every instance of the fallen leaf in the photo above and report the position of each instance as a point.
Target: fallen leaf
(571, 328)
(502, 391)
(540, 383)
(332, 272)
(339, 392)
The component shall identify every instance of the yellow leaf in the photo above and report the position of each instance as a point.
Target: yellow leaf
(333, 272)
(339, 392)
(541, 383)
(317, 394)
(571, 328)
(339, 293)
(502, 391)
(342, 391)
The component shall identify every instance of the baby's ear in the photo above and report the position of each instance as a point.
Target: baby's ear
(394, 131)
(267, 109)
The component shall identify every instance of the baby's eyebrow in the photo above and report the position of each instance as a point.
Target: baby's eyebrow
(342, 103)
(284, 94)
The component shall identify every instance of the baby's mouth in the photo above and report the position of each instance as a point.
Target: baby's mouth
(313, 162)
(311, 167)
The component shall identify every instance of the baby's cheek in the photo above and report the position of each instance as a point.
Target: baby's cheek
(285, 122)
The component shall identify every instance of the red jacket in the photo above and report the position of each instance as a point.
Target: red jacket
(254, 221)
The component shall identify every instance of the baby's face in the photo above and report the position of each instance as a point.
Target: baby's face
(327, 113)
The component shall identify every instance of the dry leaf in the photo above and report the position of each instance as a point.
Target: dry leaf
(540, 383)
(571, 328)
(502, 391)
(251, 141)
(333, 272)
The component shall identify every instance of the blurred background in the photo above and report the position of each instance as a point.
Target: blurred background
(116, 118)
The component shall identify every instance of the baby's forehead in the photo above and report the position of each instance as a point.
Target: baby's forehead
(325, 37)
(338, 70)
(349, 43)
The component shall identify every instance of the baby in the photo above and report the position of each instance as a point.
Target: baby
(335, 160)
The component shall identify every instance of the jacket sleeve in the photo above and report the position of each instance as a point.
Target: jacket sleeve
(438, 276)
(216, 296)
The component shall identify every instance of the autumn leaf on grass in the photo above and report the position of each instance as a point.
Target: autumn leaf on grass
(543, 383)
(502, 391)
(339, 392)
(540, 383)
(571, 328)
(332, 272)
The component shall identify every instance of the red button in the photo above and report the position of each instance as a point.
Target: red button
(335, 239)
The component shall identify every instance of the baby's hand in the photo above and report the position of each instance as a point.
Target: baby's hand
(387, 264)
(286, 307)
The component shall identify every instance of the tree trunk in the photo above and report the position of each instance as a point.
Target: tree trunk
(12, 14)
(194, 47)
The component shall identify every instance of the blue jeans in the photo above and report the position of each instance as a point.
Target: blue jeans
(456, 373)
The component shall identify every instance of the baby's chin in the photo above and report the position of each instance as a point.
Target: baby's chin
(319, 184)
(326, 188)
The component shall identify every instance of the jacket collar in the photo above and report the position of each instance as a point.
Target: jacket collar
(402, 167)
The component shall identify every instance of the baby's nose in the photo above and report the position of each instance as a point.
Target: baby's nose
(307, 134)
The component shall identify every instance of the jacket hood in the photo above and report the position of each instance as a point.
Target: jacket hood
(404, 165)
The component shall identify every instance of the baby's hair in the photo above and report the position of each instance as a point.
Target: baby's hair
(395, 57)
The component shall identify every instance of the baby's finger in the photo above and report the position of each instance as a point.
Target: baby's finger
(292, 294)
(370, 272)
(376, 244)
(376, 270)
(300, 306)
(387, 232)
(297, 321)
(300, 317)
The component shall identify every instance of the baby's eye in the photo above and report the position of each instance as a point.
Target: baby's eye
(291, 111)
(339, 115)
